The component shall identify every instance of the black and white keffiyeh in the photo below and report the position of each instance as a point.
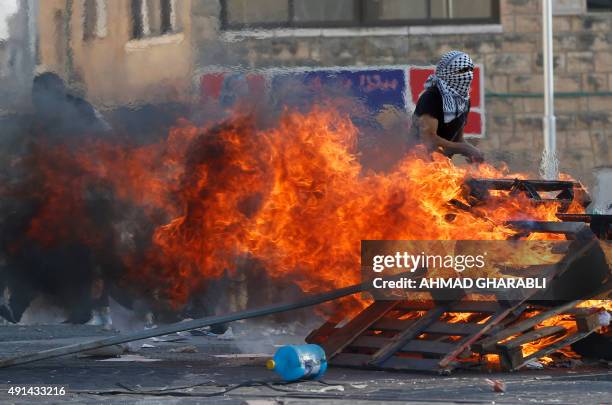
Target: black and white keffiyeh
(453, 78)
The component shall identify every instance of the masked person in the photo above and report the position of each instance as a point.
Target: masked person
(442, 109)
(59, 113)
(65, 272)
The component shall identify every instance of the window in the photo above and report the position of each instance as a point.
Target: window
(324, 10)
(236, 14)
(94, 19)
(599, 5)
(153, 17)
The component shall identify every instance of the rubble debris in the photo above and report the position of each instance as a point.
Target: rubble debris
(569, 363)
(202, 332)
(108, 351)
(184, 349)
(604, 318)
(169, 339)
(101, 317)
(131, 357)
(329, 388)
(227, 335)
(242, 356)
(534, 365)
(496, 385)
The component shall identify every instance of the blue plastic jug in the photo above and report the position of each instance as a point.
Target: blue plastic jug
(297, 362)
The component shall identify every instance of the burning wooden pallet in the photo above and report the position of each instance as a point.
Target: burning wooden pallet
(422, 336)
(539, 191)
(509, 344)
(438, 335)
(410, 335)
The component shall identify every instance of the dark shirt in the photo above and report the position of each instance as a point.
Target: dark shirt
(67, 117)
(430, 103)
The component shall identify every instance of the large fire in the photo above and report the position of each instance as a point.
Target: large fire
(293, 197)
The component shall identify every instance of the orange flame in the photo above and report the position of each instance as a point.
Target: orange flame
(294, 197)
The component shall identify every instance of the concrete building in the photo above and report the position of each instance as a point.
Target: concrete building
(18, 56)
(118, 51)
(504, 36)
(127, 51)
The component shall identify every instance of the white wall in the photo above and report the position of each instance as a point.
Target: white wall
(602, 193)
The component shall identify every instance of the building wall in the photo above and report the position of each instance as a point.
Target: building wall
(116, 69)
(512, 59)
(17, 57)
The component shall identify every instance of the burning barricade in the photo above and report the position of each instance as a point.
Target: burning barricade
(166, 219)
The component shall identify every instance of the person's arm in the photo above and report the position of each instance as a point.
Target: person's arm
(475, 154)
(428, 126)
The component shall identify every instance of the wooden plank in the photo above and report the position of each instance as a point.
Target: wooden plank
(394, 363)
(342, 337)
(428, 346)
(489, 344)
(416, 305)
(510, 358)
(552, 348)
(458, 328)
(320, 335)
(580, 311)
(468, 341)
(460, 306)
(371, 342)
(531, 336)
(567, 228)
(540, 185)
(575, 254)
(350, 360)
(588, 322)
(416, 345)
(476, 306)
(390, 324)
(407, 363)
(409, 333)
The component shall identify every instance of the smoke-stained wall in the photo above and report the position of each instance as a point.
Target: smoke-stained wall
(93, 44)
(512, 59)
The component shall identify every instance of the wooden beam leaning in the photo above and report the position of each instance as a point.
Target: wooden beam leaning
(548, 349)
(489, 344)
(342, 337)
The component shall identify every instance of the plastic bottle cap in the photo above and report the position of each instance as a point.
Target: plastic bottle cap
(270, 364)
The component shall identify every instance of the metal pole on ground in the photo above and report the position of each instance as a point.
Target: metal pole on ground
(306, 301)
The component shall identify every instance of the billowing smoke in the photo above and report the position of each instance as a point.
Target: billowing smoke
(83, 196)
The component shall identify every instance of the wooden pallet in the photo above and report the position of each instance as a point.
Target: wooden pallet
(565, 192)
(508, 343)
(416, 335)
(410, 335)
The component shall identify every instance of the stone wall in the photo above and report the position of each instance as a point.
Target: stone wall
(512, 59)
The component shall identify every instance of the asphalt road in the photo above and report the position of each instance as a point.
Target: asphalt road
(233, 372)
